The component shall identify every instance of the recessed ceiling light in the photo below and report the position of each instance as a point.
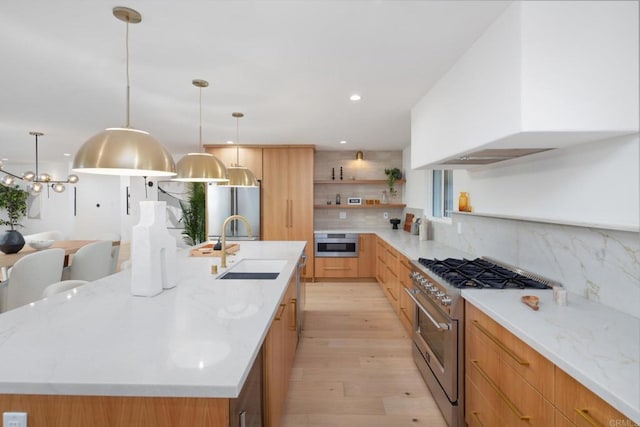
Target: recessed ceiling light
(229, 142)
(4, 159)
(343, 142)
(67, 154)
(355, 97)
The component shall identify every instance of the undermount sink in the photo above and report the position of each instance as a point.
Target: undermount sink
(255, 269)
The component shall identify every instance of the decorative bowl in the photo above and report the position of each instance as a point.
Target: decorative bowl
(40, 244)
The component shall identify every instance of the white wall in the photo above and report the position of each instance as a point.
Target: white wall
(417, 190)
(590, 183)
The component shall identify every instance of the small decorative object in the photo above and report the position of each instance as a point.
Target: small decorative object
(340, 173)
(40, 244)
(463, 202)
(153, 252)
(329, 202)
(14, 201)
(393, 175)
(395, 222)
(385, 198)
(337, 199)
(532, 301)
(333, 173)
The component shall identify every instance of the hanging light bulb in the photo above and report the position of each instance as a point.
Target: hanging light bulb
(200, 167)
(124, 151)
(239, 176)
(36, 177)
(58, 187)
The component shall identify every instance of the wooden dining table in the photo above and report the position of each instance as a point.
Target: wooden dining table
(70, 247)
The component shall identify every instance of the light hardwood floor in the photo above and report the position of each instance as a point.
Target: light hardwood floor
(353, 366)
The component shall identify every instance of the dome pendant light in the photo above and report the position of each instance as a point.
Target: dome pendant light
(200, 167)
(239, 176)
(124, 151)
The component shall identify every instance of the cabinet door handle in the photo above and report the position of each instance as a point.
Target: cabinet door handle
(336, 268)
(404, 313)
(584, 413)
(291, 213)
(500, 344)
(280, 311)
(499, 392)
(391, 293)
(475, 415)
(294, 302)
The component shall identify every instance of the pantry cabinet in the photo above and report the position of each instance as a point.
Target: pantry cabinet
(287, 197)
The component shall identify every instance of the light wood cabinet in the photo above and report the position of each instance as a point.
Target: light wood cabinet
(279, 352)
(251, 157)
(406, 306)
(509, 383)
(387, 272)
(581, 407)
(367, 255)
(336, 267)
(513, 382)
(287, 197)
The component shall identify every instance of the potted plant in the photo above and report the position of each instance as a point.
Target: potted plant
(14, 201)
(194, 214)
(392, 176)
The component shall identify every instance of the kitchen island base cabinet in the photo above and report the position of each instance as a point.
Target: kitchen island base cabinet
(279, 352)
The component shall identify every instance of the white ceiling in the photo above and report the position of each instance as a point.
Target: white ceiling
(290, 66)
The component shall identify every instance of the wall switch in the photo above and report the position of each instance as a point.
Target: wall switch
(343, 215)
(14, 419)
(385, 215)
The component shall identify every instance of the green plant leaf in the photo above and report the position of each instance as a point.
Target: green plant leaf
(14, 201)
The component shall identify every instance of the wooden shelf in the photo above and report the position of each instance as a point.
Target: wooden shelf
(345, 206)
(357, 181)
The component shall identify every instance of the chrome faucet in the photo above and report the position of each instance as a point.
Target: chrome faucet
(223, 262)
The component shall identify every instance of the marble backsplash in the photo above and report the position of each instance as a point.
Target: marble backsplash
(600, 264)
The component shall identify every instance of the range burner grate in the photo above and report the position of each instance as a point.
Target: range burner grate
(481, 273)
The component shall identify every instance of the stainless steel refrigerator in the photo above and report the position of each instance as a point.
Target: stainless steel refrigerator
(225, 201)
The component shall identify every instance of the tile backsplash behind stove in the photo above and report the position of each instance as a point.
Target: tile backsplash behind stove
(372, 167)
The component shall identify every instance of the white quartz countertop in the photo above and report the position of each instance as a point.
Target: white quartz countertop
(198, 339)
(595, 344)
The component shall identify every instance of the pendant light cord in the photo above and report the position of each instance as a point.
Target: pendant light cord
(127, 125)
(201, 148)
(237, 141)
(37, 172)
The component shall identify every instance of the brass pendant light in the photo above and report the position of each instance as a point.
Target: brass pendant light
(200, 167)
(124, 151)
(239, 176)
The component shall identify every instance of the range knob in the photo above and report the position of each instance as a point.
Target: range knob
(414, 275)
(445, 300)
(440, 295)
(433, 290)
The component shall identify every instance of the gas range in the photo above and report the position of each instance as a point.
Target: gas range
(443, 280)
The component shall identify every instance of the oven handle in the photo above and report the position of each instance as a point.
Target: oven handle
(439, 326)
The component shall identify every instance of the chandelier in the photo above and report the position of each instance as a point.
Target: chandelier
(37, 181)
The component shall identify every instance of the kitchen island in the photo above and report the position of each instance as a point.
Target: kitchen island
(196, 340)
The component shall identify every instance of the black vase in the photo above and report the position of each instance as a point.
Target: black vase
(11, 242)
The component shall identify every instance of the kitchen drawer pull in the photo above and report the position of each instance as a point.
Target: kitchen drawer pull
(587, 417)
(280, 312)
(474, 414)
(499, 392)
(404, 313)
(439, 326)
(294, 302)
(391, 293)
(336, 268)
(500, 344)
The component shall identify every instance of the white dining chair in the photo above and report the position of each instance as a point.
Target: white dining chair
(91, 262)
(31, 274)
(115, 250)
(62, 286)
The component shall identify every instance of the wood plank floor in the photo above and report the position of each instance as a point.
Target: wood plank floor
(353, 366)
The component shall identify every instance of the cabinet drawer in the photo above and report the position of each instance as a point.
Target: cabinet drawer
(336, 267)
(514, 400)
(582, 407)
(525, 361)
(479, 412)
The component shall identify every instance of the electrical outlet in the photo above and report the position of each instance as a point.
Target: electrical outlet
(385, 215)
(343, 215)
(14, 419)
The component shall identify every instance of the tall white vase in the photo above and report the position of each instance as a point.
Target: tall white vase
(153, 252)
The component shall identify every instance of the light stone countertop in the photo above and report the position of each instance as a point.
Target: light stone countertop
(198, 339)
(595, 344)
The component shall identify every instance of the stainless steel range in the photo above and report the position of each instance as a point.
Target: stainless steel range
(438, 322)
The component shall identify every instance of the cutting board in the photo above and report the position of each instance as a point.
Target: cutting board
(408, 220)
